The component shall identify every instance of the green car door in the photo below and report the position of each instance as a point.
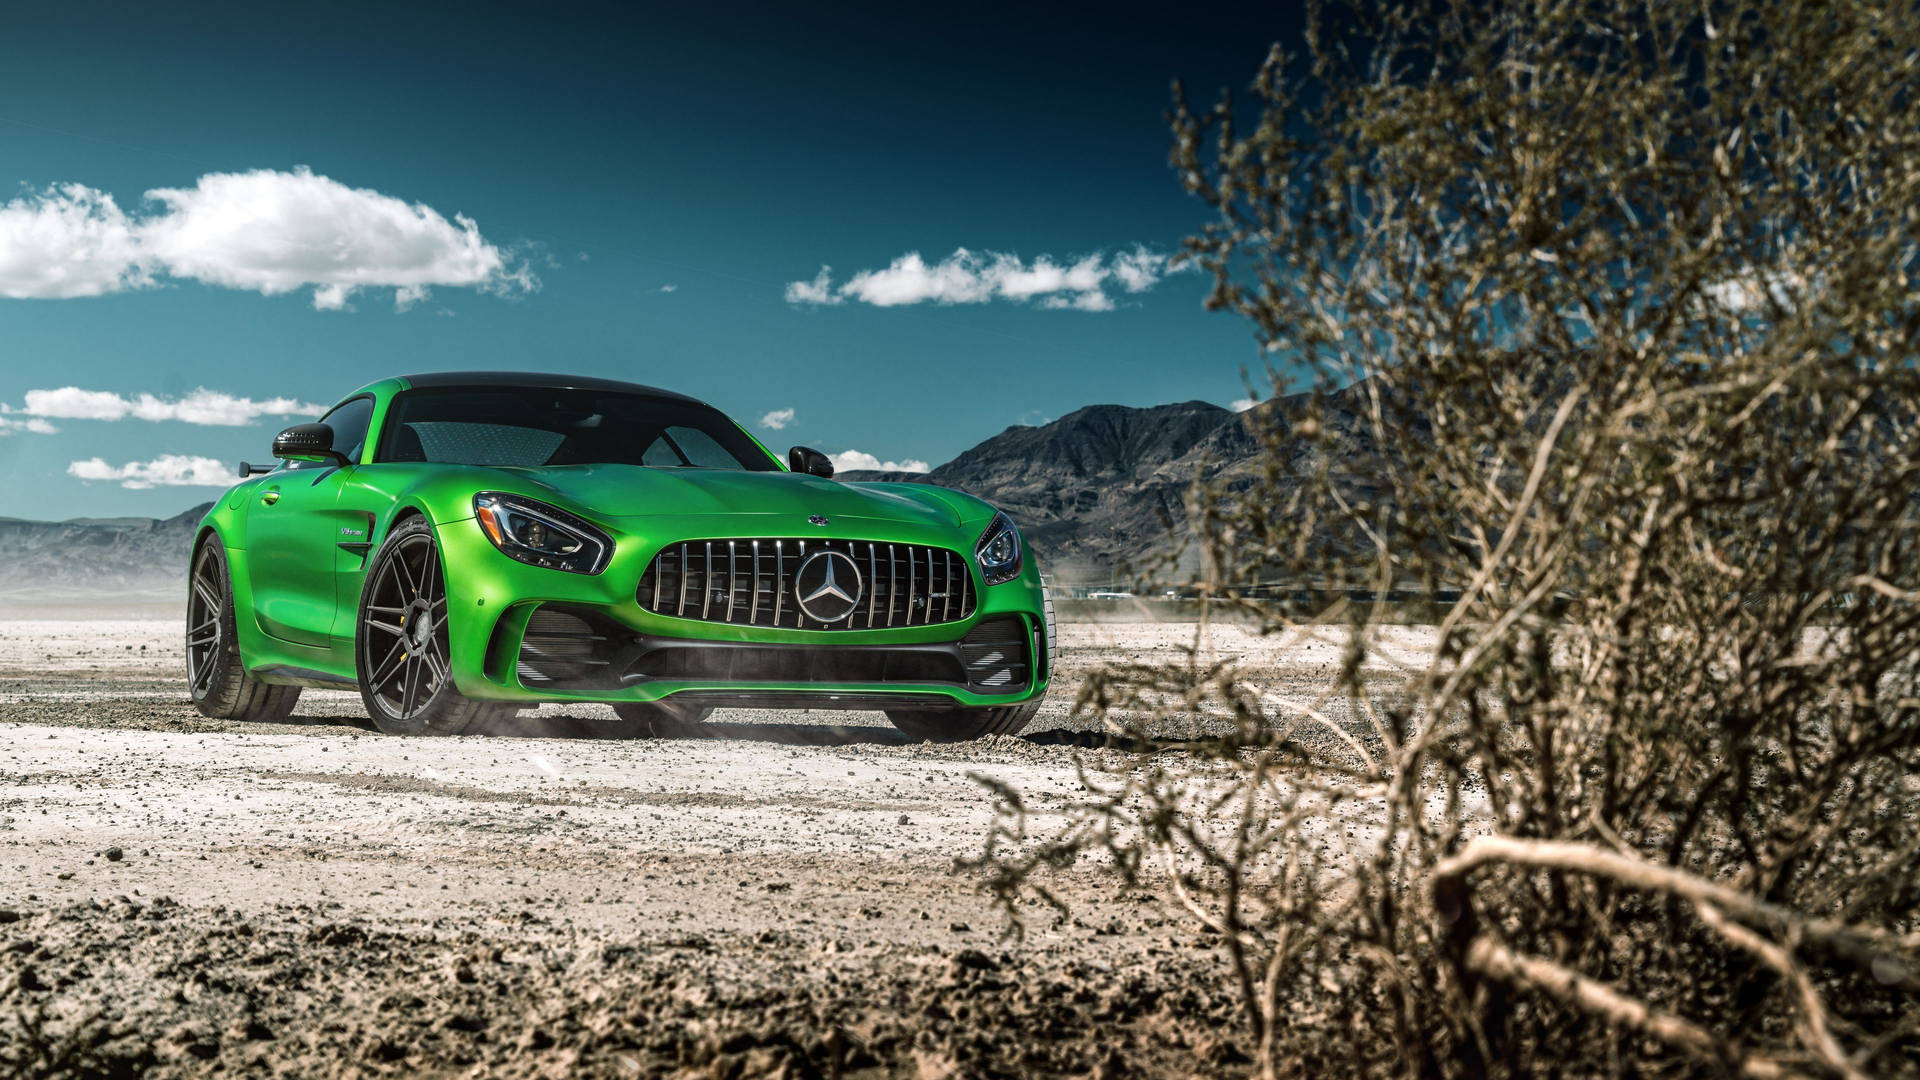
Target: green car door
(293, 535)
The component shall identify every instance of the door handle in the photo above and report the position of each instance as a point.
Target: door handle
(270, 497)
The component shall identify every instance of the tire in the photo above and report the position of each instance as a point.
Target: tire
(961, 725)
(1053, 631)
(400, 640)
(656, 719)
(217, 678)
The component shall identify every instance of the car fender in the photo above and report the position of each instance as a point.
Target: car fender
(225, 524)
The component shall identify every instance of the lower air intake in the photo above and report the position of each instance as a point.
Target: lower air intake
(562, 649)
(998, 655)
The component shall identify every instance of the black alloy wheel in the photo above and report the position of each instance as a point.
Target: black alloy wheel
(401, 650)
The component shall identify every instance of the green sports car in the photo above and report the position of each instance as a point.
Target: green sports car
(466, 542)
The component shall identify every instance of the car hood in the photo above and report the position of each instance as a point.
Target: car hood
(615, 491)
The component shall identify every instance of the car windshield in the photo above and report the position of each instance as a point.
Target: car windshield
(531, 426)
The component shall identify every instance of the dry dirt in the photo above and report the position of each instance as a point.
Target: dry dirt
(772, 894)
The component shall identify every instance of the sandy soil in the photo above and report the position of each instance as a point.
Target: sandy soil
(774, 893)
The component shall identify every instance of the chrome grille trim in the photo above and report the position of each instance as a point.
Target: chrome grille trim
(936, 587)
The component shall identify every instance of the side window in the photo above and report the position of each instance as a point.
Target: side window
(349, 423)
(684, 446)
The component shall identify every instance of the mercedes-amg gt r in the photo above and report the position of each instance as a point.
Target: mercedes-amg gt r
(456, 543)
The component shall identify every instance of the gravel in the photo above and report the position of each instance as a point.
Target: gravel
(772, 894)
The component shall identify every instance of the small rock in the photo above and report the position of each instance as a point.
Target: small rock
(972, 960)
(114, 854)
(958, 927)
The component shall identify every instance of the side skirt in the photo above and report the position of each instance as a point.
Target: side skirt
(288, 675)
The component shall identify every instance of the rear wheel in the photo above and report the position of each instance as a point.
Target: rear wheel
(216, 677)
(959, 725)
(400, 649)
(657, 719)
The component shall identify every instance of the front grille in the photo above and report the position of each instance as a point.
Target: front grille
(755, 583)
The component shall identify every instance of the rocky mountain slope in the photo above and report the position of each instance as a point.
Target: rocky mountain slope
(1102, 487)
(96, 555)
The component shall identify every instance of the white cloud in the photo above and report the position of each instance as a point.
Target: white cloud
(817, 291)
(1087, 301)
(669, 287)
(67, 241)
(851, 460)
(267, 231)
(36, 426)
(167, 470)
(777, 419)
(969, 277)
(203, 406)
(1242, 404)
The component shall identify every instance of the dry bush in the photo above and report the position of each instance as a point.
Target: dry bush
(1612, 308)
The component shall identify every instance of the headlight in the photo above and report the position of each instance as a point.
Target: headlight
(541, 535)
(999, 551)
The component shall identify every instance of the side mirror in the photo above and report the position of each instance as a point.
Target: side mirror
(805, 459)
(308, 442)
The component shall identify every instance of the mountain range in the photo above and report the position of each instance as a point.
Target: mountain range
(1102, 487)
(1092, 491)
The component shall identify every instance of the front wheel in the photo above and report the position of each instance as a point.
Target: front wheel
(400, 648)
(216, 678)
(960, 725)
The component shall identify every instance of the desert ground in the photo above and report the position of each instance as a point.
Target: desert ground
(769, 894)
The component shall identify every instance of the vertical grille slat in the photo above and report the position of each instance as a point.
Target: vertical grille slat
(706, 581)
(911, 592)
(935, 585)
(682, 609)
(753, 608)
(733, 576)
(893, 582)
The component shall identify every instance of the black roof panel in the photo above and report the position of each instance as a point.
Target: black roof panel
(540, 379)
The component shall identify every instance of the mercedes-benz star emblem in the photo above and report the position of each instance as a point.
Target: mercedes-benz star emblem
(817, 519)
(828, 586)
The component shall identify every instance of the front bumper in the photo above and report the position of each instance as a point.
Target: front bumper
(523, 633)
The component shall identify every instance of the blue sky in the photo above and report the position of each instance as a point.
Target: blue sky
(653, 193)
